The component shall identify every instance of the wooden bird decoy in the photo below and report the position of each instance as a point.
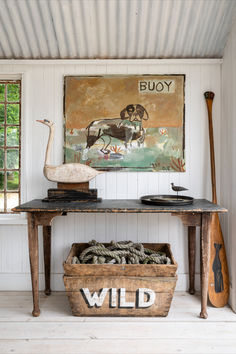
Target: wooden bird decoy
(65, 173)
(178, 188)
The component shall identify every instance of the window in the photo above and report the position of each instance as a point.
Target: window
(10, 142)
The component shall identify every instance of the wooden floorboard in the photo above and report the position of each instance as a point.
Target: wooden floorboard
(57, 331)
(112, 330)
(120, 346)
(17, 306)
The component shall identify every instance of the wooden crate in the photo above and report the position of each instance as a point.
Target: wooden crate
(121, 289)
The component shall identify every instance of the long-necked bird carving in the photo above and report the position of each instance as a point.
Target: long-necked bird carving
(178, 188)
(65, 173)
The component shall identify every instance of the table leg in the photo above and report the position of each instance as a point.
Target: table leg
(191, 257)
(34, 261)
(47, 257)
(205, 261)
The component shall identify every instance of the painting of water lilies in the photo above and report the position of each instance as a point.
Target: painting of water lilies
(127, 123)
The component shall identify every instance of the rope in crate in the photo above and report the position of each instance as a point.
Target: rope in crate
(123, 252)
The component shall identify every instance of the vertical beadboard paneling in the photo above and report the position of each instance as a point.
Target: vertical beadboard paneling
(44, 98)
(132, 227)
(215, 86)
(228, 162)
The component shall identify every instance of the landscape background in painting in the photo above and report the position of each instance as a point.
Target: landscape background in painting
(131, 123)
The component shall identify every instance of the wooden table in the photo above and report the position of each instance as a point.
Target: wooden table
(42, 213)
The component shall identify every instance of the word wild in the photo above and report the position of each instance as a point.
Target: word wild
(144, 298)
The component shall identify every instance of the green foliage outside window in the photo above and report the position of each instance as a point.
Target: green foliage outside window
(1, 158)
(9, 145)
(12, 159)
(13, 114)
(13, 136)
(1, 180)
(13, 92)
(1, 136)
(12, 180)
(2, 113)
(2, 92)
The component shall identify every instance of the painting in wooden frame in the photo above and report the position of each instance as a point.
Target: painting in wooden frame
(125, 122)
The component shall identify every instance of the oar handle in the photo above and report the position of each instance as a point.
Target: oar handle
(209, 96)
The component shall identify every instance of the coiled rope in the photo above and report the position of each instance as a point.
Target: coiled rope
(123, 252)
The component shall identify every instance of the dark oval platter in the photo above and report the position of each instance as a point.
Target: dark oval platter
(166, 199)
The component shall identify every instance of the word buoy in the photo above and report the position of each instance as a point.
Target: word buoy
(156, 86)
(97, 299)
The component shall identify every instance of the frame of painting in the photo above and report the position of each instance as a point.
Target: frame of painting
(125, 122)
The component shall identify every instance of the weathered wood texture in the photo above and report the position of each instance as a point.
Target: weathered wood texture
(161, 306)
(193, 219)
(34, 261)
(64, 173)
(191, 257)
(44, 216)
(161, 279)
(47, 257)
(142, 270)
(74, 186)
(119, 206)
(68, 195)
(209, 96)
(218, 287)
(205, 238)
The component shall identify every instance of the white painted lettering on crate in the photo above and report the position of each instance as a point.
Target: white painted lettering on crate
(94, 299)
(113, 297)
(143, 298)
(150, 295)
(123, 302)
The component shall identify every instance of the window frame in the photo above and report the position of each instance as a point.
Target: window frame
(6, 148)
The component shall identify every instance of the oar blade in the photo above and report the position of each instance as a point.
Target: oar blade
(218, 288)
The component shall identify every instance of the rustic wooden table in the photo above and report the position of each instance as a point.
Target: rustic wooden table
(42, 213)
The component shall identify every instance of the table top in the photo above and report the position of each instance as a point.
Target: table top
(117, 206)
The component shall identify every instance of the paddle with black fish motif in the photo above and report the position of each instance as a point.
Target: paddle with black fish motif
(218, 285)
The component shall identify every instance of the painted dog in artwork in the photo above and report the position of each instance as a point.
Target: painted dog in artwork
(127, 128)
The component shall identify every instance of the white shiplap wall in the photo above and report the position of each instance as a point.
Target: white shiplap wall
(228, 161)
(43, 97)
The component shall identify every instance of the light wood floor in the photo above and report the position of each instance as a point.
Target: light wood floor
(57, 331)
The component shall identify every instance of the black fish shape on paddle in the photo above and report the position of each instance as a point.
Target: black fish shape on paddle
(216, 267)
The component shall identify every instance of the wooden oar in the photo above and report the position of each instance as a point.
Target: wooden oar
(218, 286)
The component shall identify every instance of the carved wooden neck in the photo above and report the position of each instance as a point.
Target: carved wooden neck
(49, 146)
